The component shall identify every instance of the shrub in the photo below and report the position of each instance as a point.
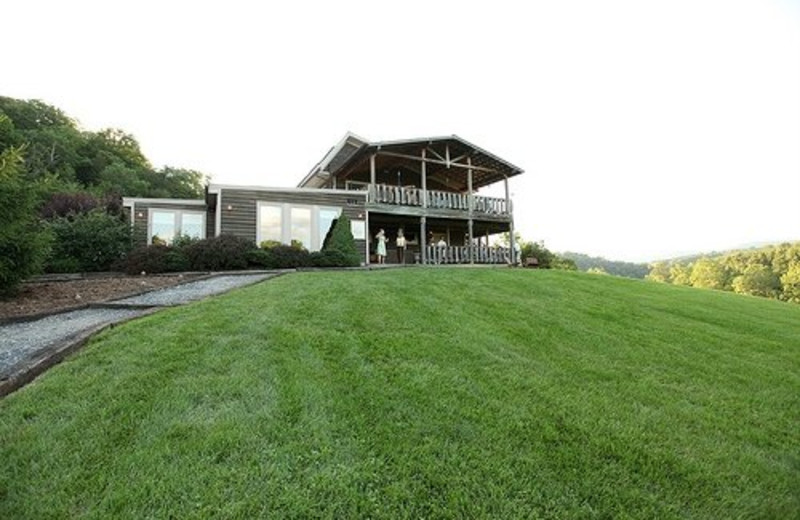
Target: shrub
(96, 240)
(222, 253)
(258, 258)
(147, 259)
(287, 257)
(340, 238)
(330, 258)
(23, 242)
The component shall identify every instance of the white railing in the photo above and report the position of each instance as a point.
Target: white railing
(410, 196)
(467, 254)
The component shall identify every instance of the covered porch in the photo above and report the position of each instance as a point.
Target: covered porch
(438, 240)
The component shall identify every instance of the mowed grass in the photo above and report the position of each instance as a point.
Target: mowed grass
(421, 393)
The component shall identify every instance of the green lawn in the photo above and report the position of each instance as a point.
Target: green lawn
(421, 393)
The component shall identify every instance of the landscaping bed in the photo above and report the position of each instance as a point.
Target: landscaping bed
(51, 294)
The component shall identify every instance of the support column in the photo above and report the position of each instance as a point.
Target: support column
(368, 236)
(512, 239)
(423, 239)
(471, 203)
(424, 181)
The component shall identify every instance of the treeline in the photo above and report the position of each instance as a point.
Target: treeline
(770, 272)
(599, 264)
(58, 156)
(61, 190)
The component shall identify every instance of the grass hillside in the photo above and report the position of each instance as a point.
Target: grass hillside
(421, 393)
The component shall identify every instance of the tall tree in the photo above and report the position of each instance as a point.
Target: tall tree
(709, 273)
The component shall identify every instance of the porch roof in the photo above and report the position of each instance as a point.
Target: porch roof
(448, 158)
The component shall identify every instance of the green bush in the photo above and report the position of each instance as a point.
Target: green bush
(258, 258)
(287, 257)
(330, 258)
(23, 242)
(340, 239)
(147, 259)
(222, 253)
(95, 240)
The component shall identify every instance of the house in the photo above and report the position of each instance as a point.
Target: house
(428, 187)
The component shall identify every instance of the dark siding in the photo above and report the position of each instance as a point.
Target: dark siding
(240, 220)
(140, 217)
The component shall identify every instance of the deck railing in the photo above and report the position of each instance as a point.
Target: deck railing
(467, 254)
(410, 196)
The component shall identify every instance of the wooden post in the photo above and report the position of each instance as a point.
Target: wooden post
(372, 169)
(423, 240)
(512, 239)
(368, 236)
(424, 181)
(471, 207)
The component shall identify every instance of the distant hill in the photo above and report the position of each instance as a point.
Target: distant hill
(618, 268)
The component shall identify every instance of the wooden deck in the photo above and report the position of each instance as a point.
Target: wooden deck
(412, 197)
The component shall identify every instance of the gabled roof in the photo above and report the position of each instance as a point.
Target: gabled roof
(451, 153)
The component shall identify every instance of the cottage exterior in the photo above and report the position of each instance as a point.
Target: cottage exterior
(426, 186)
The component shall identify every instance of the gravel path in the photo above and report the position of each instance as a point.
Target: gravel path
(192, 291)
(23, 343)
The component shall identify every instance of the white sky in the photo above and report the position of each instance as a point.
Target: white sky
(646, 129)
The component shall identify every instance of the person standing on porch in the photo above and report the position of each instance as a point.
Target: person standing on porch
(401, 246)
(381, 249)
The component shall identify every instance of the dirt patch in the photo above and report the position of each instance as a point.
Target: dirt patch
(49, 296)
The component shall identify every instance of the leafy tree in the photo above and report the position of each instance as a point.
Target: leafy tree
(23, 243)
(680, 274)
(709, 274)
(757, 280)
(790, 283)
(659, 272)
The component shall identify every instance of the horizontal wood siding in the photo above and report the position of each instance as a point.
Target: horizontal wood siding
(140, 210)
(241, 219)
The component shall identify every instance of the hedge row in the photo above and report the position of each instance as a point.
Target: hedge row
(227, 253)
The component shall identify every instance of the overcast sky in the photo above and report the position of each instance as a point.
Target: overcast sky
(646, 129)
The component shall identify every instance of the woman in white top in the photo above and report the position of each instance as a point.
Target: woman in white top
(381, 249)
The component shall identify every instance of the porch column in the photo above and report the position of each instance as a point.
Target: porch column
(471, 205)
(369, 237)
(423, 239)
(512, 238)
(372, 170)
(424, 172)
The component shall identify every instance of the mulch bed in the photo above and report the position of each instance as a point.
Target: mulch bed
(46, 296)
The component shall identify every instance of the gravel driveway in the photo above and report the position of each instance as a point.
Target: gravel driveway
(24, 345)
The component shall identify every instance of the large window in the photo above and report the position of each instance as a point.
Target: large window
(301, 228)
(166, 224)
(287, 223)
(270, 223)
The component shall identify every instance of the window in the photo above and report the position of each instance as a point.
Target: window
(301, 227)
(269, 223)
(165, 225)
(287, 223)
(359, 229)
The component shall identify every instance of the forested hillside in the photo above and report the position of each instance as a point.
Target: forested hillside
(61, 189)
(771, 272)
(600, 264)
(64, 157)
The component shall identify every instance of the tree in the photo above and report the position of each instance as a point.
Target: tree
(23, 244)
(709, 273)
(790, 284)
(681, 274)
(659, 272)
(757, 280)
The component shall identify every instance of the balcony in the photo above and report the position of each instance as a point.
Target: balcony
(446, 201)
